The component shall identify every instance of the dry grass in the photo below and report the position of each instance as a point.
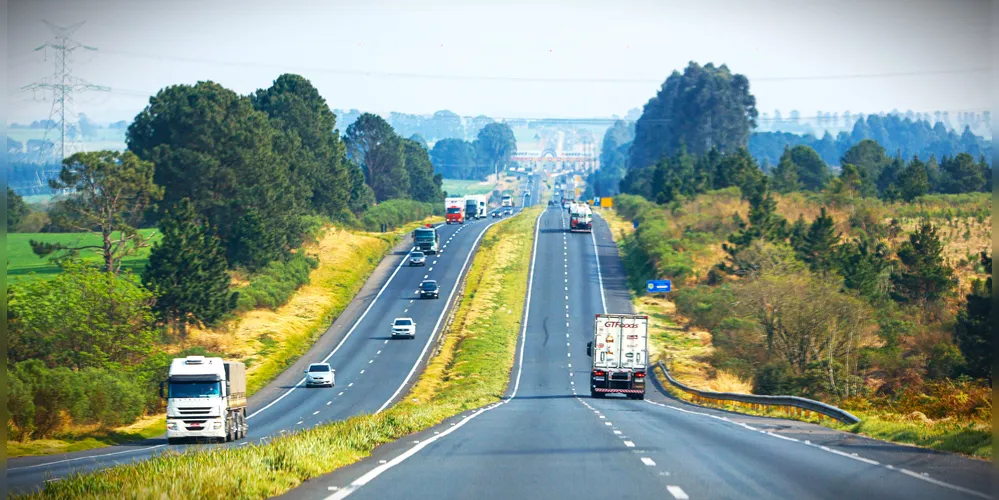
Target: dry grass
(80, 438)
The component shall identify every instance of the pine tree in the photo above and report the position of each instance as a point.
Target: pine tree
(187, 270)
(818, 247)
(922, 276)
(866, 267)
(786, 174)
(764, 224)
(973, 331)
(914, 180)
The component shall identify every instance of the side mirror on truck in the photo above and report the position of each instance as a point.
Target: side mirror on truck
(589, 349)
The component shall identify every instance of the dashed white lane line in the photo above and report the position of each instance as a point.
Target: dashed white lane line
(299, 422)
(362, 372)
(372, 361)
(315, 412)
(341, 393)
(629, 444)
(386, 342)
(379, 352)
(435, 263)
(648, 461)
(617, 432)
(608, 423)
(431, 269)
(425, 276)
(329, 403)
(350, 384)
(677, 492)
(602, 417)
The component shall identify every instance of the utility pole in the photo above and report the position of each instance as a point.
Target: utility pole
(62, 85)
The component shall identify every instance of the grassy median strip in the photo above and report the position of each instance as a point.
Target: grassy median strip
(471, 370)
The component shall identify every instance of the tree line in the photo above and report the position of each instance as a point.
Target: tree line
(232, 182)
(489, 152)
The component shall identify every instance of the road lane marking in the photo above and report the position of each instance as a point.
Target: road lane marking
(600, 279)
(433, 334)
(329, 403)
(617, 432)
(431, 269)
(342, 341)
(677, 492)
(648, 461)
(362, 372)
(341, 393)
(629, 444)
(379, 352)
(350, 384)
(608, 423)
(46, 464)
(315, 412)
(372, 361)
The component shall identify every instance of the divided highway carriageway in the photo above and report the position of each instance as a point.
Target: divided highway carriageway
(548, 439)
(372, 370)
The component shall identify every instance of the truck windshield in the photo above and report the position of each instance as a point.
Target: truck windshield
(424, 235)
(454, 210)
(195, 389)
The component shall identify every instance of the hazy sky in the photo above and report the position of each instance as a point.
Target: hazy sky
(577, 58)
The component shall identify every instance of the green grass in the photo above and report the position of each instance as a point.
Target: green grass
(87, 440)
(455, 187)
(973, 439)
(471, 370)
(25, 265)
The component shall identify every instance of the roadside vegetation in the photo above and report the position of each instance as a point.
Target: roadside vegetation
(471, 369)
(202, 225)
(866, 284)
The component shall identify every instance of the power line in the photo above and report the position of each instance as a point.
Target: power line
(62, 84)
(441, 76)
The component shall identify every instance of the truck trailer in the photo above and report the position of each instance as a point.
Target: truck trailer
(580, 218)
(619, 351)
(206, 398)
(454, 210)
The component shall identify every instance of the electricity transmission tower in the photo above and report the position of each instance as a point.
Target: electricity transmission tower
(63, 85)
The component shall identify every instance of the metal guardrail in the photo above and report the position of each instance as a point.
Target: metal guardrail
(757, 401)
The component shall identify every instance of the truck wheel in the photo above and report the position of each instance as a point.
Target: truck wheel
(242, 424)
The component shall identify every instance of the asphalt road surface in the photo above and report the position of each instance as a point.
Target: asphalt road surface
(548, 439)
(372, 370)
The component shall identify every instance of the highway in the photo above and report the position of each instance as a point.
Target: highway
(372, 370)
(548, 439)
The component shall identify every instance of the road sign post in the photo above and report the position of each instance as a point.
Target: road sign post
(659, 286)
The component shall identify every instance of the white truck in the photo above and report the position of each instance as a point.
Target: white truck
(206, 398)
(580, 218)
(475, 206)
(619, 350)
(507, 201)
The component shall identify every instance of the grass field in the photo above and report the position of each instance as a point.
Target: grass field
(455, 187)
(471, 370)
(25, 265)
(88, 438)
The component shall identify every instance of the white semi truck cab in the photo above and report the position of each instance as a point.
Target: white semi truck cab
(619, 349)
(206, 399)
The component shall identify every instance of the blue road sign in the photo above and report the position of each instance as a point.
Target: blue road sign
(657, 286)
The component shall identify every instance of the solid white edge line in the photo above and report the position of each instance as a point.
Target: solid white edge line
(46, 464)
(344, 339)
(836, 452)
(600, 278)
(373, 473)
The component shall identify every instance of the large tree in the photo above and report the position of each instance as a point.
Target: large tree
(613, 158)
(975, 324)
(704, 107)
(308, 138)
(210, 145)
(373, 144)
(423, 184)
(961, 174)
(870, 159)
(922, 275)
(812, 171)
(494, 147)
(111, 191)
(188, 272)
(914, 180)
(454, 159)
(16, 209)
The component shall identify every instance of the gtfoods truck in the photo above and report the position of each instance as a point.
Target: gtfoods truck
(426, 239)
(619, 350)
(206, 398)
(580, 218)
(454, 210)
(507, 201)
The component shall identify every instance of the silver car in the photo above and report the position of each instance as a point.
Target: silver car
(320, 374)
(417, 258)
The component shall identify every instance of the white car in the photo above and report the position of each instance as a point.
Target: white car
(404, 327)
(321, 374)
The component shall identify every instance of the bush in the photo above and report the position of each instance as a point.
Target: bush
(706, 307)
(274, 284)
(41, 399)
(775, 378)
(395, 213)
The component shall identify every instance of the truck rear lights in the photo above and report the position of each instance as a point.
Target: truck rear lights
(599, 373)
(639, 374)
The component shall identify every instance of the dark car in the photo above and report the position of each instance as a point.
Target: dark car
(429, 290)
